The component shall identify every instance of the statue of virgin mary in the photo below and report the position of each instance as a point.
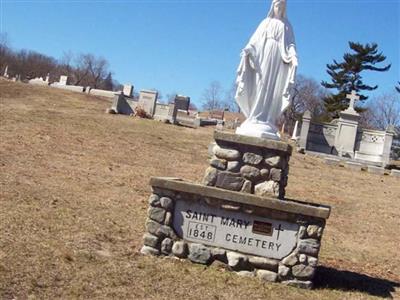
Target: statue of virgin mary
(266, 74)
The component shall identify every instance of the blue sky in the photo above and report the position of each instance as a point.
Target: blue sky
(182, 46)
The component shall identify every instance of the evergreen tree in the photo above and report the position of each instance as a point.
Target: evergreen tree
(346, 76)
(108, 82)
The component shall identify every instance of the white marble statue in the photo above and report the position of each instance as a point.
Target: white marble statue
(266, 74)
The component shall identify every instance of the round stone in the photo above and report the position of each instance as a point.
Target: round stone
(180, 249)
(267, 275)
(149, 251)
(250, 173)
(236, 260)
(150, 240)
(166, 246)
(273, 161)
(267, 188)
(228, 154)
(218, 163)
(252, 158)
(290, 260)
(199, 254)
(154, 200)
(167, 203)
(312, 231)
(303, 271)
(210, 177)
(283, 271)
(233, 166)
(303, 258)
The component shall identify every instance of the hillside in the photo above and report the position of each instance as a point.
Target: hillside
(74, 189)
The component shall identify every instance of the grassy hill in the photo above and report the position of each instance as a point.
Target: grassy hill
(73, 201)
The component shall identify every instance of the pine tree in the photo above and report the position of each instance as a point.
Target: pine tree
(108, 82)
(346, 76)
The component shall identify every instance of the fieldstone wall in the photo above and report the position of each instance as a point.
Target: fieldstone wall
(296, 269)
(245, 165)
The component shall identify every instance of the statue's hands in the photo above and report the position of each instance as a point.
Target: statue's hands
(295, 61)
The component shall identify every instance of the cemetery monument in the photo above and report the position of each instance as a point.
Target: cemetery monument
(266, 74)
(239, 215)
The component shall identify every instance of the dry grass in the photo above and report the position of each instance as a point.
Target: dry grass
(74, 186)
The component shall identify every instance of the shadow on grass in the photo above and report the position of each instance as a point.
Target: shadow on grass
(351, 281)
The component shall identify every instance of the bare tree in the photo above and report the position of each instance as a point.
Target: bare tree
(90, 70)
(230, 101)
(307, 95)
(212, 97)
(385, 110)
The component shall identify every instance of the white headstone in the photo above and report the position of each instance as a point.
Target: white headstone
(128, 90)
(147, 101)
(6, 72)
(63, 80)
(294, 135)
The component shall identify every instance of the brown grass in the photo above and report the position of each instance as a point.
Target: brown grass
(74, 186)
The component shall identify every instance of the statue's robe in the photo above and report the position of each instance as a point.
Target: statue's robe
(266, 72)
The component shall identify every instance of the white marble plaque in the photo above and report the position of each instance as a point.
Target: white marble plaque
(234, 230)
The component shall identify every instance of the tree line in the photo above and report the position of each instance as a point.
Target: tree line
(83, 69)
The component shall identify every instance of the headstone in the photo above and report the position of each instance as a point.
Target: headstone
(6, 72)
(294, 135)
(128, 90)
(103, 93)
(305, 127)
(182, 102)
(346, 133)
(147, 101)
(121, 106)
(63, 80)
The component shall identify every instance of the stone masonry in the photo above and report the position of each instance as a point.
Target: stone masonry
(249, 165)
(296, 269)
(238, 215)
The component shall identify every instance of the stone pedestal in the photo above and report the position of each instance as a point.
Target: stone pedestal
(248, 164)
(275, 240)
(238, 215)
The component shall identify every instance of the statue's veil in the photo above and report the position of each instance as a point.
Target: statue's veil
(271, 10)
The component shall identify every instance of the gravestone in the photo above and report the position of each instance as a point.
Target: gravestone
(6, 72)
(226, 218)
(121, 106)
(128, 90)
(147, 101)
(182, 102)
(63, 80)
(347, 129)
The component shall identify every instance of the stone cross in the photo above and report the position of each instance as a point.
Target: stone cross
(353, 96)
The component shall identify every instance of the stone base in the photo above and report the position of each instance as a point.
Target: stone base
(248, 164)
(275, 240)
(395, 173)
(353, 166)
(376, 170)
